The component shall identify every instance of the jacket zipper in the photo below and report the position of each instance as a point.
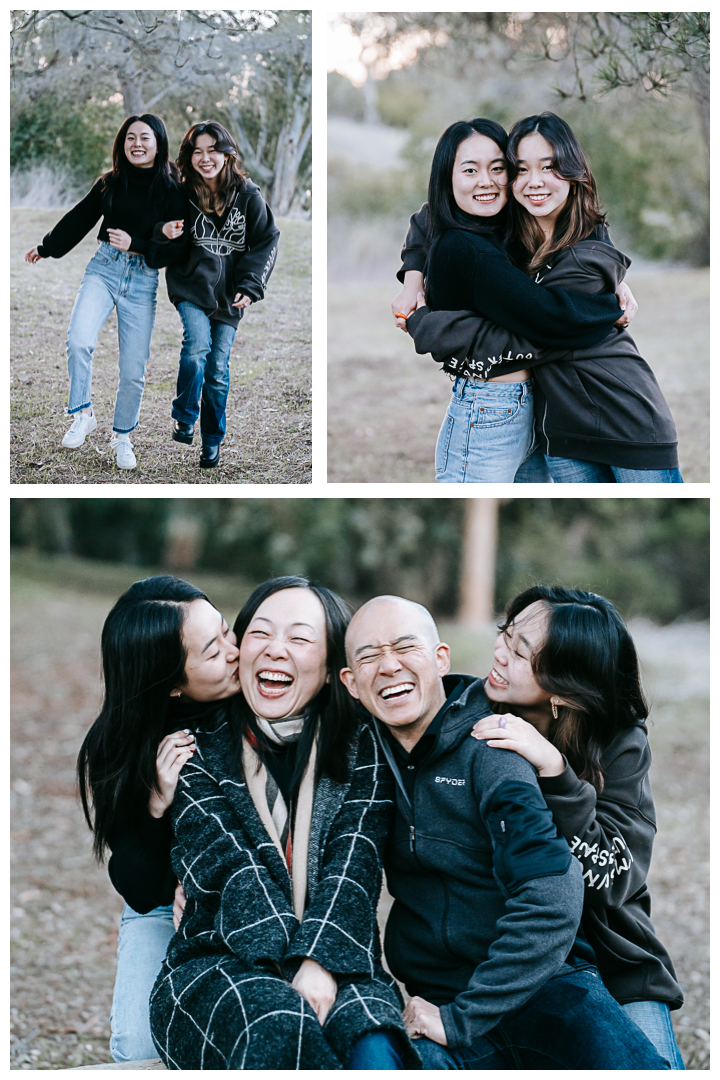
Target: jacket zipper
(412, 839)
(547, 441)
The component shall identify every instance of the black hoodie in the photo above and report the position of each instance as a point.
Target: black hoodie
(603, 404)
(222, 256)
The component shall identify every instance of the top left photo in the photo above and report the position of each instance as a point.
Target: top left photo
(161, 206)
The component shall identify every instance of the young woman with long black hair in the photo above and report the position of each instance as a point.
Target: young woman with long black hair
(221, 266)
(139, 191)
(597, 397)
(169, 660)
(566, 682)
(280, 821)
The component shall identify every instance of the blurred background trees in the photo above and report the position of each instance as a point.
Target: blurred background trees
(76, 75)
(634, 87)
(650, 556)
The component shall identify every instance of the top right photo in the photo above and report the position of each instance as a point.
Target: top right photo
(518, 247)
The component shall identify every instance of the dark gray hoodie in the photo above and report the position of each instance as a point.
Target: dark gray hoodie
(487, 895)
(601, 403)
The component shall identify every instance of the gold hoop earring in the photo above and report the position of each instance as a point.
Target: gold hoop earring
(553, 706)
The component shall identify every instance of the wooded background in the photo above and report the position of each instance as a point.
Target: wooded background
(650, 556)
(77, 74)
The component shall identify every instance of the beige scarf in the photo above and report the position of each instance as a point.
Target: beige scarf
(296, 854)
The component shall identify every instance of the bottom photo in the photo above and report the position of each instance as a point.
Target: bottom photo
(360, 783)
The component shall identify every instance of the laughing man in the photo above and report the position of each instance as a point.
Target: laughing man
(487, 897)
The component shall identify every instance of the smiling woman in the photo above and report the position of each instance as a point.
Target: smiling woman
(282, 880)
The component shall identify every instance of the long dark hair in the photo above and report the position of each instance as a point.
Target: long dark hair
(588, 658)
(143, 658)
(443, 211)
(331, 712)
(231, 178)
(165, 173)
(580, 216)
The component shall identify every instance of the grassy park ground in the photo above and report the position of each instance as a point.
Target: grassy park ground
(65, 913)
(268, 437)
(386, 403)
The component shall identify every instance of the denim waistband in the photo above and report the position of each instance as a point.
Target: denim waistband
(115, 253)
(498, 391)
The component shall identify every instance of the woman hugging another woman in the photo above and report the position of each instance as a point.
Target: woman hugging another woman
(223, 250)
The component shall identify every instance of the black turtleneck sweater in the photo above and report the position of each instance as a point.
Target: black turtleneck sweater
(139, 866)
(134, 209)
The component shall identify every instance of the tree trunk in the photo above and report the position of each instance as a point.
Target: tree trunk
(183, 537)
(132, 94)
(477, 579)
(291, 145)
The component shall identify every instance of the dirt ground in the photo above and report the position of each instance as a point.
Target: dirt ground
(269, 422)
(386, 403)
(65, 913)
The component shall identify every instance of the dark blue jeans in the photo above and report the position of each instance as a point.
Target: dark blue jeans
(204, 369)
(574, 471)
(572, 1022)
(377, 1050)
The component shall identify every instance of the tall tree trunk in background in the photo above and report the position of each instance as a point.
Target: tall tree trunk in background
(477, 578)
(183, 536)
(291, 145)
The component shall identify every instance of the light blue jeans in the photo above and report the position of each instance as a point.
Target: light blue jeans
(204, 370)
(653, 1018)
(113, 279)
(487, 435)
(572, 471)
(142, 944)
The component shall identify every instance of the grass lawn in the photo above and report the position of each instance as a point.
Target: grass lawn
(268, 437)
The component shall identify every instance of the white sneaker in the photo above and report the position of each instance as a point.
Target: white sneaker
(82, 425)
(123, 449)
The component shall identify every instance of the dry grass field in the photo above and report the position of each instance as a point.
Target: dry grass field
(386, 403)
(268, 437)
(65, 913)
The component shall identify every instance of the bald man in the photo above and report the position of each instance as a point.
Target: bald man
(487, 897)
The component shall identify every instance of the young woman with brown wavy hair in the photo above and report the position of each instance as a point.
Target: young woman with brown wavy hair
(566, 683)
(223, 265)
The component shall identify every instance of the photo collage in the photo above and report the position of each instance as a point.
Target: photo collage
(353, 769)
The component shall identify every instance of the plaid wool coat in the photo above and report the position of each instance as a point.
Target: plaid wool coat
(219, 1001)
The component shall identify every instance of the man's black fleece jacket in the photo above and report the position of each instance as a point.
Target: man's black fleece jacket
(487, 897)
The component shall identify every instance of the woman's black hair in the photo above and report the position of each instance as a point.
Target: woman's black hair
(165, 172)
(143, 659)
(443, 211)
(331, 712)
(588, 659)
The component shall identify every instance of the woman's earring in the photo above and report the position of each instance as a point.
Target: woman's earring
(553, 705)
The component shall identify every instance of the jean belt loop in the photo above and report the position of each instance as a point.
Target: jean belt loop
(464, 387)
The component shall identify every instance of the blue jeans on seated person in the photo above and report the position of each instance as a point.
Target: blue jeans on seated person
(571, 1022)
(377, 1050)
(142, 944)
(204, 375)
(572, 471)
(653, 1017)
(487, 433)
